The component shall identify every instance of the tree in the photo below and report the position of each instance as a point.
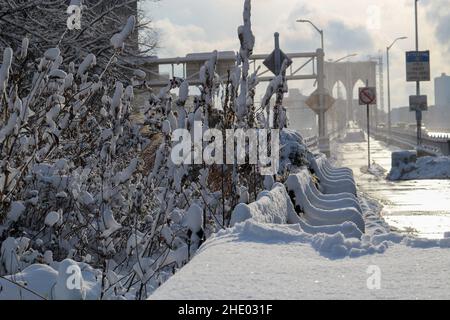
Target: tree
(44, 23)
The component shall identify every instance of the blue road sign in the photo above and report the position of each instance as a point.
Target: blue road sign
(418, 66)
(414, 56)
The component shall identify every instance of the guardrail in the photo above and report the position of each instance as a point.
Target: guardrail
(313, 142)
(438, 146)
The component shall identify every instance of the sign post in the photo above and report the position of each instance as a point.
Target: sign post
(368, 97)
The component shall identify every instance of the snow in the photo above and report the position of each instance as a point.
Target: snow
(52, 54)
(118, 40)
(16, 210)
(56, 73)
(406, 166)
(194, 218)
(321, 212)
(4, 70)
(281, 261)
(39, 282)
(52, 219)
(24, 48)
(87, 63)
(336, 181)
(9, 127)
(272, 207)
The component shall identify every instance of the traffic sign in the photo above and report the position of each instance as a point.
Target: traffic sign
(418, 66)
(418, 103)
(271, 64)
(367, 96)
(314, 102)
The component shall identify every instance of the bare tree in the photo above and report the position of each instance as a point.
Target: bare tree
(44, 23)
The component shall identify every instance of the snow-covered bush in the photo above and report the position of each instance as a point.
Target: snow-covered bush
(81, 181)
(72, 183)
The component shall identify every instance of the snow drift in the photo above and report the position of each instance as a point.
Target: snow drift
(407, 166)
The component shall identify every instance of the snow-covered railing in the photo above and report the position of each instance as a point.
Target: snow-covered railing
(276, 207)
(312, 142)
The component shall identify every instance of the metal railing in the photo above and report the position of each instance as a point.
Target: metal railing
(436, 145)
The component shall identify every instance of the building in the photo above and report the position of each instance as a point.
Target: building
(442, 91)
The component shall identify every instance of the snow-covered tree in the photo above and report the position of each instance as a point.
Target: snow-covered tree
(44, 25)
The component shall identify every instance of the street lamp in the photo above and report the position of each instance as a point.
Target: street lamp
(315, 27)
(324, 141)
(346, 57)
(389, 83)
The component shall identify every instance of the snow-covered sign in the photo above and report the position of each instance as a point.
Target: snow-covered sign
(367, 96)
(418, 66)
(314, 102)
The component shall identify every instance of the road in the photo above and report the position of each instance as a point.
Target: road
(421, 207)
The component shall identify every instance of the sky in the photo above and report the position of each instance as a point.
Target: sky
(365, 27)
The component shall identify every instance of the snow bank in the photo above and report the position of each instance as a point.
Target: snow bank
(272, 206)
(293, 150)
(406, 166)
(39, 282)
(234, 265)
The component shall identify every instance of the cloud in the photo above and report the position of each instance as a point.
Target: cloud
(438, 13)
(179, 40)
(341, 37)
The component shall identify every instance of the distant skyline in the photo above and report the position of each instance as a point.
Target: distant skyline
(353, 26)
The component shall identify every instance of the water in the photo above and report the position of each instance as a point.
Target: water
(421, 207)
(439, 135)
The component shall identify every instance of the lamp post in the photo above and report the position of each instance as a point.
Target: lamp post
(346, 57)
(389, 84)
(324, 141)
(315, 27)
